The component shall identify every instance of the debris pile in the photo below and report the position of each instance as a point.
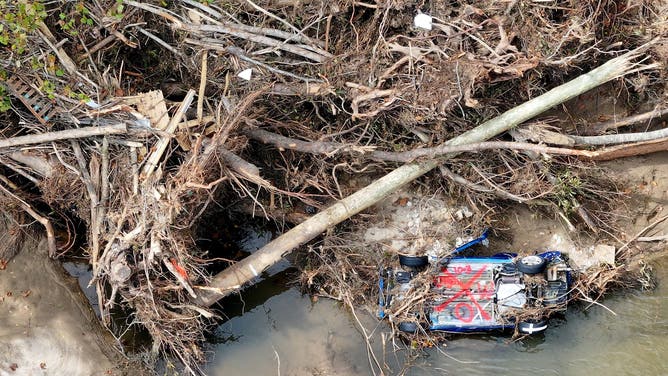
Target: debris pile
(134, 119)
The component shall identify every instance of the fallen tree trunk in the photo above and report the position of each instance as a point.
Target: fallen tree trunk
(249, 268)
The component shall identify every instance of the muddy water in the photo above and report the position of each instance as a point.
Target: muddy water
(275, 330)
(288, 332)
(593, 342)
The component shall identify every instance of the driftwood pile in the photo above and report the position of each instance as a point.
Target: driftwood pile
(134, 119)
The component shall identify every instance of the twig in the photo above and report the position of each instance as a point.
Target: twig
(202, 87)
(635, 119)
(236, 51)
(135, 170)
(159, 41)
(500, 191)
(656, 222)
(629, 150)
(166, 14)
(657, 238)
(50, 234)
(271, 15)
(239, 165)
(104, 172)
(94, 201)
(317, 56)
(447, 173)
(330, 148)
(20, 171)
(63, 135)
(592, 301)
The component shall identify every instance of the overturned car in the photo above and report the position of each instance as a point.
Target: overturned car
(477, 294)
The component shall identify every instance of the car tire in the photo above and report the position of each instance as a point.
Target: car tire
(531, 264)
(532, 326)
(413, 261)
(408, 327)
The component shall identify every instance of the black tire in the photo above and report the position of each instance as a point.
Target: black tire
(408, 327)
(413, 261)
(532, 326)
(531, 264)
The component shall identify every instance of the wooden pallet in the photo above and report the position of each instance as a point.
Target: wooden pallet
(41, 107)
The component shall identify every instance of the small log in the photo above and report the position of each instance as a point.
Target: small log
(621, 138)
(249, 268)
(631, 150)
(68, 134)
(239, 165)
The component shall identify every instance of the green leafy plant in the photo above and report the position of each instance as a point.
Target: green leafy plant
(5, 104)
(568, 188)
(49, 88)
(17, 20)
(117, 10)
(79, 17)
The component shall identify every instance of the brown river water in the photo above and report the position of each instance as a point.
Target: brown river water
(284, 333)
(290, 335)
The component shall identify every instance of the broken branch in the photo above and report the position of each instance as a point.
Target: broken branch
(249, 268)
(63, 135)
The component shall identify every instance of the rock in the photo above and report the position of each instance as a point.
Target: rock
(593, 256)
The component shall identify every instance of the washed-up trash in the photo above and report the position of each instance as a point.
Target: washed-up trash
(246, 74)
(423, 21)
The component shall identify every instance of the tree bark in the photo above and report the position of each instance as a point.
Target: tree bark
(62, 135)
(249, 268)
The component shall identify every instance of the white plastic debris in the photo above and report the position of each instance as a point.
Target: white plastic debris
(92, 104)
(423, 21)
(246, 74)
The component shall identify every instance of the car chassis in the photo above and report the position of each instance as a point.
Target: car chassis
(479, 294)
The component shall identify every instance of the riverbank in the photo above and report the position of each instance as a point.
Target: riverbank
(48, 327)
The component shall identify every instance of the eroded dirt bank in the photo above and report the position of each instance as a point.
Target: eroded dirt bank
(47, 327)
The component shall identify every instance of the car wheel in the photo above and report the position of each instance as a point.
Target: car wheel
(532, 326)
(408, 327)
(413, 261)
(531, 264)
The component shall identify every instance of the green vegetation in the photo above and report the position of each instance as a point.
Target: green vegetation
(568, 187)
(17, 20)
(68, 21)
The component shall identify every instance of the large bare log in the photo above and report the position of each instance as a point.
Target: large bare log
(249, 268)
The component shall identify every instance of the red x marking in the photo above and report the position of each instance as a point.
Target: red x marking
(465, 290)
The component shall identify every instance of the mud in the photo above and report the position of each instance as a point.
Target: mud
(47, 327)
